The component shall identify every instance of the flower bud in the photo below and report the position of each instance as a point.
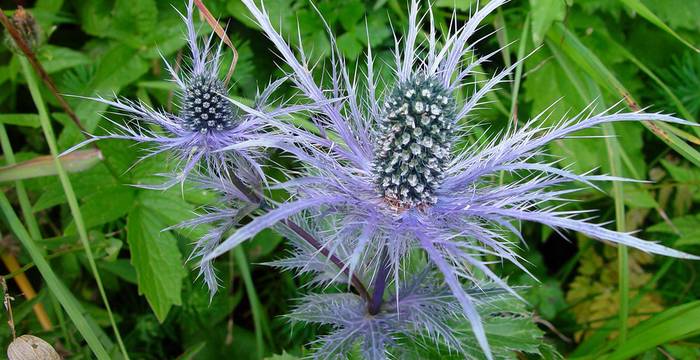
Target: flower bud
(27, 28)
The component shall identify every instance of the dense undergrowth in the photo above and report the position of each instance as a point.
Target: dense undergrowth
(575, 52)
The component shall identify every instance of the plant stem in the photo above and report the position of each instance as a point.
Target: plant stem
(299, 231)
(48, 81)
(255, 305)
(379, 285)
(67, 300)
(68, 190)
(623, 267)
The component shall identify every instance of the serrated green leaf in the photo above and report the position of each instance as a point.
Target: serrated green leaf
(157, 260)
(105, 206)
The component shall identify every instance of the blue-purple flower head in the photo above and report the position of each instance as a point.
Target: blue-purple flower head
(215, 141)
(209, 128)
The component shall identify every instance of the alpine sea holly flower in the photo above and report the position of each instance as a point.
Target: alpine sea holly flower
(215, 141)
(383, 182)
(207, 120)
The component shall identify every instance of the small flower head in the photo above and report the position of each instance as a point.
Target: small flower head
(204, 108)
(210, 129)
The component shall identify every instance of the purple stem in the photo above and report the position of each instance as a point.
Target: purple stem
(257, 199)
(379, 286)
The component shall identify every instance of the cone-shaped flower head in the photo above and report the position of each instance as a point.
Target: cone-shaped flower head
(414, 143)
(204, 109)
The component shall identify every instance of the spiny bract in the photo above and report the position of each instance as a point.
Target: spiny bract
(204, 107)
(415, 140)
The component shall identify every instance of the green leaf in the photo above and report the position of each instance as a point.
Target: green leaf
(95, 16)
(638, 197)
(30, 120)
(44, 165)
(263, 244)
(170, 209)
(104, 206)
(677, 13)
(133, 20)
(282, 356)
(85, 184)
(350, 14)
(686, 227)
(157, 260)
(464, 5)
(56, 58)
(349, 45)
(544, 13)
(670, 325)
(117, 67)
(643, 11)
(121, 268)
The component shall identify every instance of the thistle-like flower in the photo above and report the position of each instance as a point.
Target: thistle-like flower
(208, 121)
(384, 181)
(216, 141)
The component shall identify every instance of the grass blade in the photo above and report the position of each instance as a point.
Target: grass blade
(69, 303)
(569, 43)
(258, 312)
(644, 12)
(670, 325)
(68, 190)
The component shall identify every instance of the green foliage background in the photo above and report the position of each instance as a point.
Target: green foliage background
(575, 52)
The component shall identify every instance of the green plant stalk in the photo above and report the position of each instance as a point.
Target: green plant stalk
(69, 303)
(29, 218)
(622, 253)
(68, 190)
(519, 70)
(255, 305)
